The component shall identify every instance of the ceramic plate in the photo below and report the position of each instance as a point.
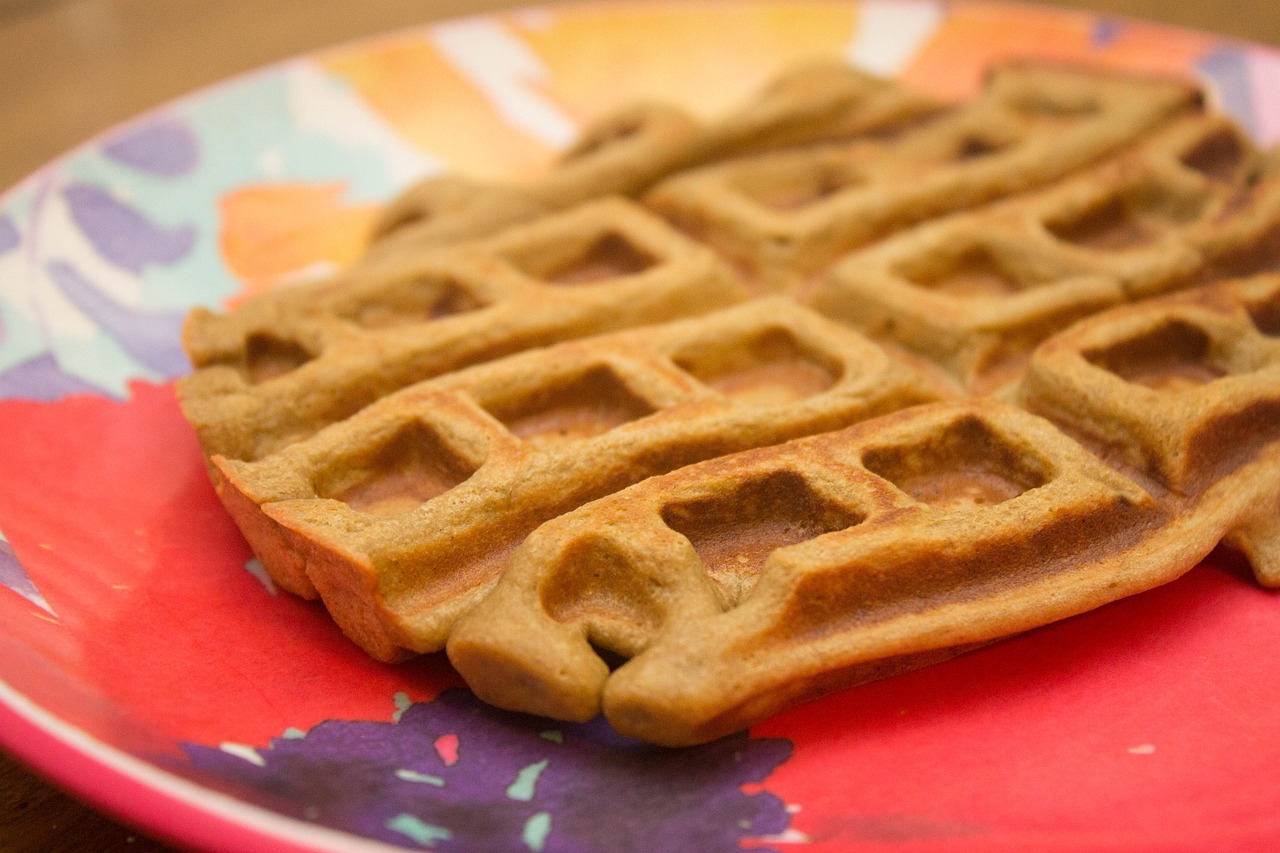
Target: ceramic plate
(147, 664)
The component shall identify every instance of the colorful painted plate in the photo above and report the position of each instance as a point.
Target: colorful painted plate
(148, 664)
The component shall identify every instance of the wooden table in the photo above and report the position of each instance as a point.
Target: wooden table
(72, 68)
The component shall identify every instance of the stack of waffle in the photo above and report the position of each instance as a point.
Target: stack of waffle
(716, 418)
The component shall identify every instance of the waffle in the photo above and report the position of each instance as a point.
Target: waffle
(284, 366)
(1180, 391)
(783, 217)
(743, 585)
(718, 416)
(401, 516)
(975, 292)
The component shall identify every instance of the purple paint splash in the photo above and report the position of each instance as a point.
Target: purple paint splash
(1106, 32)
(152, 339)
(15, 577)
(9, 237)
(166, 148)
(122, 235)
(519, 783)
(41, 379)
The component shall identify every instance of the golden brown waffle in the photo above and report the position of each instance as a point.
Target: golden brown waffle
(1180, 391)
(544, 429)
(401, 517)
(783, 217)
(976, 291)
(624, 153)
(741, 586)
(283, 366)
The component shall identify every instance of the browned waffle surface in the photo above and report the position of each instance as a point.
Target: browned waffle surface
(783, 217)
(1182, 390)
(402, 516)
(741, 586)
(976, 291)
(283, 366)
(1003, 379)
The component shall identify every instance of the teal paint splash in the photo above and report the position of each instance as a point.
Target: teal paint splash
(526, 780)
(425, 834)
(536, 830)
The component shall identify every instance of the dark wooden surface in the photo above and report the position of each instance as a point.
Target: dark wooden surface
(36, 816)
(72, 68)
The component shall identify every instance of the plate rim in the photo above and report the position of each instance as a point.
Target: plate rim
(177, 810)
(153, 800)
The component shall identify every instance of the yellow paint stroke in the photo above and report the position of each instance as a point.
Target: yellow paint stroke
(704, 57)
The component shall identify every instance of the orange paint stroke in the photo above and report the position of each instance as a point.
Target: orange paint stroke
(976, 36)
(406, 81)
(272, 232)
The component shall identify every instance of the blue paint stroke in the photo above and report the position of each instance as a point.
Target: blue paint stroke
(122, 235)
(43, 380)
(13, 576)
(152, 339)
(1228, 70)
(166, 148)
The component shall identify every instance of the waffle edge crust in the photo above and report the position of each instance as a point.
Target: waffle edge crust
(718, 417)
